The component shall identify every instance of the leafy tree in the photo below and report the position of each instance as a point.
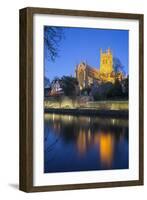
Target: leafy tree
(97, 96)
(126, 86)
(107, 91)
(101, 92)
(52, 38)
(116, 90)
(86, 91)
(69, 85)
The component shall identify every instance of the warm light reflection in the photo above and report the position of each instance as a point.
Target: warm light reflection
(106, 147)
(90, 139)
(89, 135)
(85, 121)
(81, 142)
(103, 141)
(86, 138)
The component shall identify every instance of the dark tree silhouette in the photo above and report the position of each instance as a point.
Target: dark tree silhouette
(117, 65)
(126, 86)
(69, 85)
(52, 38)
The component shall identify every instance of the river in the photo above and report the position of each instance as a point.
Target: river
(82, 143)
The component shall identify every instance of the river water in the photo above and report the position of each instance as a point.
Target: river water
(82, 143)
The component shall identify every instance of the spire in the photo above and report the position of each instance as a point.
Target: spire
(109, 50)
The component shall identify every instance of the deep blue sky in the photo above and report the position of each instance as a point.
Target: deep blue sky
(83, 44)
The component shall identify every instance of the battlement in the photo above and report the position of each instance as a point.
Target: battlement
(107, 52)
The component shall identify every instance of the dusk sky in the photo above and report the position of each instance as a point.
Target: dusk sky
(83, 44)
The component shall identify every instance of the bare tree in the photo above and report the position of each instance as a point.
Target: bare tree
(52, 38)
(118, 65)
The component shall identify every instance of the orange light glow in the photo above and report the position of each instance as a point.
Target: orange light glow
(81, 143)
(106, 144)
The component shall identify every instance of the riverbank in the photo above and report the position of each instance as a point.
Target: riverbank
(89, 112)
(84, 103)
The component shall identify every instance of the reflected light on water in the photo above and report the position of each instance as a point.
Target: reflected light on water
(103, 141)
(81, 143)
(106, 147)
(85, 143)
(89, 135)
(53, 116)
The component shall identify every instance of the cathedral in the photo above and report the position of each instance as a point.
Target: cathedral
(87, 75)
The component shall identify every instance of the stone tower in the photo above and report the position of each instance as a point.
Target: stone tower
(106, 62)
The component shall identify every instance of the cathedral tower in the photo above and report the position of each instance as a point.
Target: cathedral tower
(106, 62)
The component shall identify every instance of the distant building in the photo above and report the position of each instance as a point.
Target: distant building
(56, 88)
(87, 75)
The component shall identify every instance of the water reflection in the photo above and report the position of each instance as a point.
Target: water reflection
(77, 143)
(106, 148)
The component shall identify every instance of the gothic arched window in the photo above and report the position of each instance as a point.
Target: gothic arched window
(81, 77)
